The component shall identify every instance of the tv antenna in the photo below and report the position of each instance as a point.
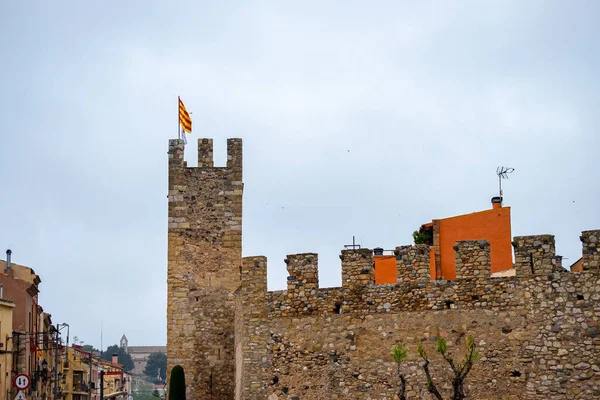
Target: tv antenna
(502, 173)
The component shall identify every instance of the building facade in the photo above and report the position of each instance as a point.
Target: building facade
(34, 345)
(6, 329)
(140, 354)
(20, 285)
(81, 376)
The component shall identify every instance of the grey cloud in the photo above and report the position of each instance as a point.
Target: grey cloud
(357, 120)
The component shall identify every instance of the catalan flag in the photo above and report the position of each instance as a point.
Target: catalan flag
(184, 118)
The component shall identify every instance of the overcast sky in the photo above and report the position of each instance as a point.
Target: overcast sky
(358, 118)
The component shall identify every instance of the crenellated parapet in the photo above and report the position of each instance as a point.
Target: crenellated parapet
(357, 268)
(472, 259)
(591, 250)
(474, 286)
(534, 255)
(412, 263)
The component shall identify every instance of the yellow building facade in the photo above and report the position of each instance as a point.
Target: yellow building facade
(76, 374)
(6, 328)
(81, 377)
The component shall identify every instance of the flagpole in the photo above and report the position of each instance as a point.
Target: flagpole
(178, 125)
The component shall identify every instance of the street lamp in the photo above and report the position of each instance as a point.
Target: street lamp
(44, 370)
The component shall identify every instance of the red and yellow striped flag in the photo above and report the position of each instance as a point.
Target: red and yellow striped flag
(184, 117)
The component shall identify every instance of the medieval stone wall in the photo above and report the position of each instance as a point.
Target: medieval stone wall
(537, 332)
(204, 262)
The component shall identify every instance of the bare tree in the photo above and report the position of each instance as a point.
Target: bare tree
(430, 385)
(399, 354)
(460, 371)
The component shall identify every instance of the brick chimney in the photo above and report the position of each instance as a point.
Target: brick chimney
(115, 358)
(497, 202)
(558, 261)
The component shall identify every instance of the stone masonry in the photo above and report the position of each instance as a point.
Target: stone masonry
(412, 263)
(204, 262)
(472, 259)
(534, 254)
(591, 250)
(538, 332)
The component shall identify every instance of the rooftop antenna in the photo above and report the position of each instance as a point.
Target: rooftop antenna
(502, 173)
(353, 245)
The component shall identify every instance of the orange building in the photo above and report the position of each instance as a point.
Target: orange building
(385, 267)
(492, 225)
(577, 266)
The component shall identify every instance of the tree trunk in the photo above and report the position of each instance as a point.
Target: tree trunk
(402, 392)
(458, 388)
(430, 385)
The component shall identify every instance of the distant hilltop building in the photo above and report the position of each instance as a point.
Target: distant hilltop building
(536, 325)
(140, 354)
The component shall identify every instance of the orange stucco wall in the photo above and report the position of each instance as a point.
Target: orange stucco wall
(385, 269)
(577, 266)
(491, 225)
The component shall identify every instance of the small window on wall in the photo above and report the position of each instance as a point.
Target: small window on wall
(1, 292)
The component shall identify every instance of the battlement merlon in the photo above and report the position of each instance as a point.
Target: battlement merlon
(472, 259)
(412, 263)
(205, 153)
(234, 158)
(303, 270)
(357, 268)
(534, 255)
(590, 257)
(253, 276)
(176, 149)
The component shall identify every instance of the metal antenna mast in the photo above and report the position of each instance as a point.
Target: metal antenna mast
(502, 173)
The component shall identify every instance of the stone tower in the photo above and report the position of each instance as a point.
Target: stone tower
(204, 264)
(124, 343)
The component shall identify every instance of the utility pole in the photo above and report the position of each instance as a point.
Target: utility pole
(102, 385)
(90, 380)
(56, 346)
